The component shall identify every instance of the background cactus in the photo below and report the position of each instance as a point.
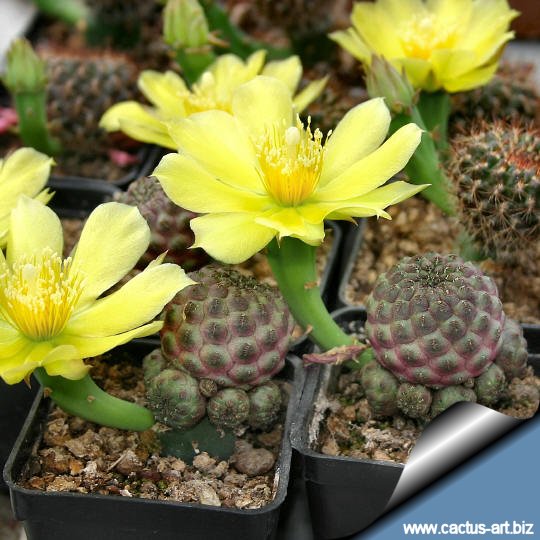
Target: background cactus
(510, 95)
(496, 177)
(80, 90)
(169, 225)
(439, 336)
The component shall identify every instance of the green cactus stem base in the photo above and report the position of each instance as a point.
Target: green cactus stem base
(85, 399)
(204, 437)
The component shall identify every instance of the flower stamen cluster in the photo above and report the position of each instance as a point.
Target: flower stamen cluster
(291, 161)
(38, 294)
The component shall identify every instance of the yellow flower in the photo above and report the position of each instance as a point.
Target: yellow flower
(172, 100)
(25, 172)
(450, 44)
(262, 174)
(52, 312)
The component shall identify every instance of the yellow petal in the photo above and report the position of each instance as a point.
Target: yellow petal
(262, 102)
(291, 222)
(455, 12)
(229, 71)
(449, 64)
(477, 77)
(418, 71)
(64, 360)
(112, 241)
(33, 227)
(374, 169)
(139, 122)
(25, 172)
(377, 29)
(373, 203)
(89, 347)
(230, 238)
(190, 186)
(288, 71)
(308, 94)
(353, 43)
(140, 300)
(401, 10)
(360, 132)
(216, 141)
(164, 90)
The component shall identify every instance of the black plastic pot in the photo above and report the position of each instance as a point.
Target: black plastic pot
(345, 494)
(352, 243)
(77, 198)
(147, 156)
(65, 516)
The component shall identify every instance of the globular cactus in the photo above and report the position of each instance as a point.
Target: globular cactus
(439, 336)
(510, 95)
(495, 171)
(222, 341)
(174, 398)
(80, 89)
(228, 328)
(264, 405)
(434, 320)
(512, 356)
(169, 225)
(228, 408)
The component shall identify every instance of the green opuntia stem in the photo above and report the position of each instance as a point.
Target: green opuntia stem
(31, 110)
(435, 108)
(193, 64)
(468, 250)
(70, 11)
(239, 43)
(85, 399)
(424, 167)
(293, 266)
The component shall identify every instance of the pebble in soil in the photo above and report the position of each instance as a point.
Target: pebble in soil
(418, 226)
(78, 456)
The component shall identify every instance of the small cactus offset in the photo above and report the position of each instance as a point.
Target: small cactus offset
(169, 225)
(496, 176)
(510, 95)
(440, 336)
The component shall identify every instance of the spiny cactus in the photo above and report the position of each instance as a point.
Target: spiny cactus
(169, 225)
(228, 328)
(439, 336)
(510, 95)
(496, 176)
(80, 90)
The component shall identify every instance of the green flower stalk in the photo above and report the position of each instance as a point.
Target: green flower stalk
(53, 313)
(26, 79)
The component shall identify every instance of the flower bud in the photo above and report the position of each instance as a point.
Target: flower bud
(184, 24)
(25, 71)
(384, 80)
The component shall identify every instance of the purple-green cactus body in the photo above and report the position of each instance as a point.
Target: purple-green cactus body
(228, 328)
(434, 320)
